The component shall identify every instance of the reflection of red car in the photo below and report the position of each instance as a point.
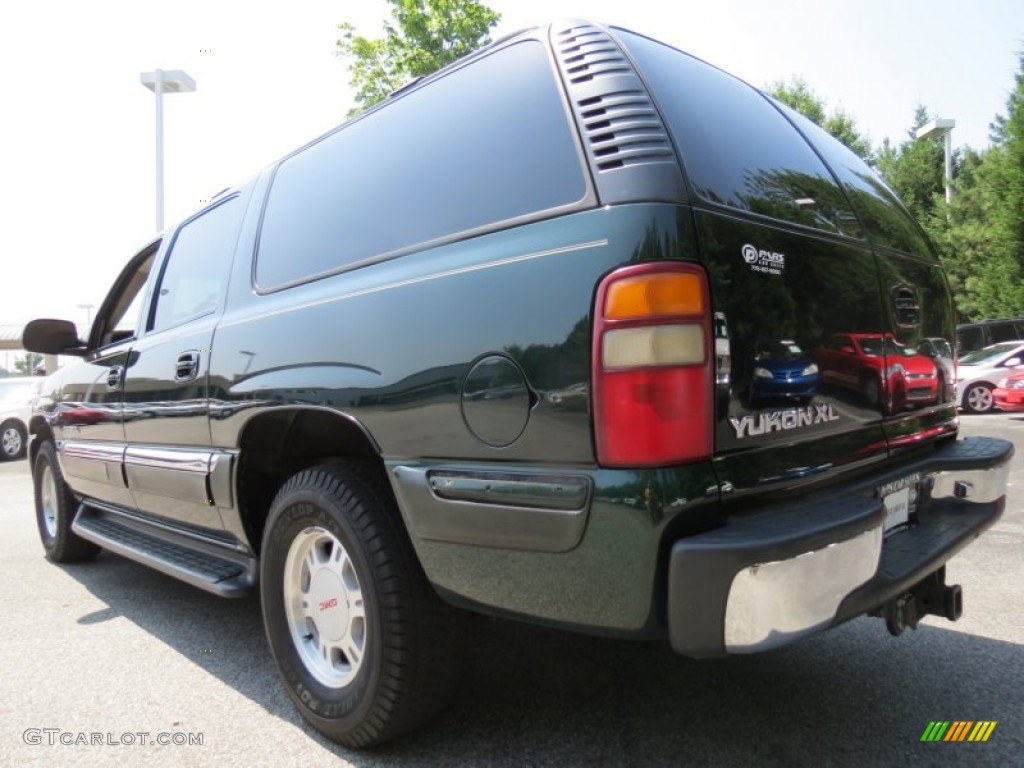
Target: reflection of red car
(1009, 395)
(862, 361)
(82, 414)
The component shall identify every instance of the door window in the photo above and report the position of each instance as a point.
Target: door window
(195, 272)
(1003, 332)
(118, 316)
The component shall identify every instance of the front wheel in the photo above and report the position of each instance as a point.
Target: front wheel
(978, 398)
(12, 440)
(55, 511)
(364, 645)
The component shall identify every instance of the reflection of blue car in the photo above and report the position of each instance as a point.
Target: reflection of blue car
(782, 371)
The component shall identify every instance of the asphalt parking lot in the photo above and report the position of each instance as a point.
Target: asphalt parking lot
(115, 649)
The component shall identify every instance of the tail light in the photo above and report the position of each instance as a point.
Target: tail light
(652, 368)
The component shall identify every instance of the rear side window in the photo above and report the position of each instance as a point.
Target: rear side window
(196, 269)
(738, 150)
(1003, 332)
(484, 144)
(970, 339)
(884, 217)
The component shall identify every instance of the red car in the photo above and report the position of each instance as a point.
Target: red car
(1009, 395)
(875, 363)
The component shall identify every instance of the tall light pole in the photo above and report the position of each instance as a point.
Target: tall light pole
(161, 82)
(942, 127)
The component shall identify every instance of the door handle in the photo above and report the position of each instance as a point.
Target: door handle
(115, 375)
(187, 366)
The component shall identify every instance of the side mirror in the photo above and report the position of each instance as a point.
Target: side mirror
(52, 337)
(1013, 362)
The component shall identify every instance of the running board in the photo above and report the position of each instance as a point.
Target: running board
(185, 556)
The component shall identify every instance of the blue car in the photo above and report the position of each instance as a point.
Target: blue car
(782, 371)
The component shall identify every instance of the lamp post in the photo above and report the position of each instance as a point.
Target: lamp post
(161, 82)
(941, 127)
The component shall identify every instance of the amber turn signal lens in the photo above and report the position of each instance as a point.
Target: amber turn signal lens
(653, 296)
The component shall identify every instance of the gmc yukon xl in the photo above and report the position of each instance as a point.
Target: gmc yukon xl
(495, 345)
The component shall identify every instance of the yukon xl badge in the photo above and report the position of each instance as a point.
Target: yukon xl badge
(787, 418)
(760, 260)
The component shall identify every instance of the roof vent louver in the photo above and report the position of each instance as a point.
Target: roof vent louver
(620, 126)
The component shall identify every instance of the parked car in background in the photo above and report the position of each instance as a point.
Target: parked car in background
(15, 408)
(1009, 395)
(979, 372)
(974, 336)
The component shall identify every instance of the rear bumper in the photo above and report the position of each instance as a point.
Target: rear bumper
(788, 570)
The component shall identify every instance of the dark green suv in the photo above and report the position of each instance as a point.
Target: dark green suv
(490, 346)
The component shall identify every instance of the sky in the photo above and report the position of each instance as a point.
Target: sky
(77, 136)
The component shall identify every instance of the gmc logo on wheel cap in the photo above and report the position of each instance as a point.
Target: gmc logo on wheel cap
(332, 603)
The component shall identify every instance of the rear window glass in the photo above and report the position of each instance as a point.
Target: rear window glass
(737, 149)
(484, 144)
(884, 217)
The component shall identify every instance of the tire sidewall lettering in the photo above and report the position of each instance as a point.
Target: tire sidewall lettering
(306, 509)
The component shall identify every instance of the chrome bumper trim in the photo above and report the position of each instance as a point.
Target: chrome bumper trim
(770, 604)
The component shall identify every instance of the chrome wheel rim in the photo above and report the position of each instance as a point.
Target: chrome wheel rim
(11, 441)
(979, 398)
(48, 500)
(323, 602)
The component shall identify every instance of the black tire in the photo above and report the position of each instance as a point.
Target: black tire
(978, 398)
(13, 438)
(405, 671)
(872, 390)
(55, 511)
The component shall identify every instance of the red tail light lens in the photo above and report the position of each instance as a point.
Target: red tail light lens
(652, 364)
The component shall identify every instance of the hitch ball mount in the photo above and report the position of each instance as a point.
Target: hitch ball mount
(929, 597)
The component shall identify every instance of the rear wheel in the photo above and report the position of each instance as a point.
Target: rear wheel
(12, 440)
(55, 511)
(363, 643)
(871, 389)
(978, 398)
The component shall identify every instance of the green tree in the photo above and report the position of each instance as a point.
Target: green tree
(27, 363)
(799, 95)
(1009, 169)
(422, 37)
(915, 170)
(983, 241)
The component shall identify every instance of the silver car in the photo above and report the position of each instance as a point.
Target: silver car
(15, 407)
(979, 371)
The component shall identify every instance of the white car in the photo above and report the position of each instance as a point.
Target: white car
(15, 407)
(980, 371)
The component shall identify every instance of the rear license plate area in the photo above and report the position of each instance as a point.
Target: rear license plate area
(900, 500)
